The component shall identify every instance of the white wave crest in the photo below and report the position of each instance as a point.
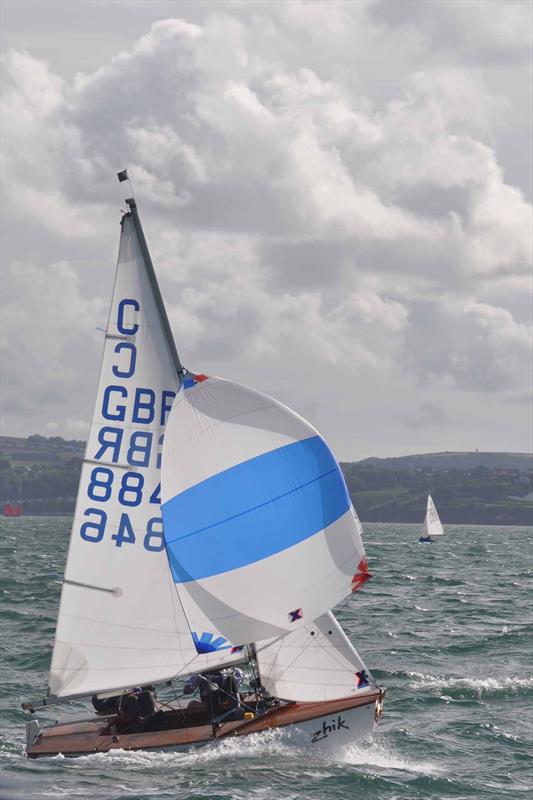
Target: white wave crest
(383, 756)
(514, 628)
(477, 685)
(269, 745)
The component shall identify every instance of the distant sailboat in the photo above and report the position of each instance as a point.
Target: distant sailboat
(12, 510)
(212, 528)
(432, 523)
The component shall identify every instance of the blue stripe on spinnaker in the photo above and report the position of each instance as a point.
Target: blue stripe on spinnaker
(253, 510)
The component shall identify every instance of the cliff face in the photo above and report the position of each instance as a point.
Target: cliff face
(475, 488)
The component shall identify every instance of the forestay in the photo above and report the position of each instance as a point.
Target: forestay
(316, 662)
(260, 531)
(120, 621)
(432, 523)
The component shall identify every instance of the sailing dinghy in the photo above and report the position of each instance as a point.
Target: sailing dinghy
(213, 528)
(432, 523)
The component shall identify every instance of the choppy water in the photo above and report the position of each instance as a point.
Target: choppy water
(447, 627)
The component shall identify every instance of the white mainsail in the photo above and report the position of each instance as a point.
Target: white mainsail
(260, 531)
(432, 523)
(316, 662)
(120, 621)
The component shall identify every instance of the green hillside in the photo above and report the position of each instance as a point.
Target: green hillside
(454, 460)
(40, 450)
(43, 475)
(481, 495)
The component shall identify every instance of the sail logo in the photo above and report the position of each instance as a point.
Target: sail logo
(206, 643)
(295, 615)
(327, 728)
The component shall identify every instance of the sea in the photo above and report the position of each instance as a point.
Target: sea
(446, 627)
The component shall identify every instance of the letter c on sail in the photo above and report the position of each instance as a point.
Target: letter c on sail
(133, 328)
(129, 370)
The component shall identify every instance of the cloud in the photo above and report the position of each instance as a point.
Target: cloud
(428, 415)
(481, 30)
(309, 197)
(43, 150)
(476, 345)
(47, 324)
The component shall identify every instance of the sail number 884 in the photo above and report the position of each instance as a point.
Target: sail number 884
(130, 494)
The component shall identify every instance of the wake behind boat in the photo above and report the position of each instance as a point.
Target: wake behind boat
(213, 533)
(432, 523)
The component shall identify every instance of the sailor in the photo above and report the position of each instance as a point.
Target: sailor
(138, 710)
(146, 701)
(232, 680)
(150, 715)
(118, 703)
(105, 706)
(219, 690)
(209, 685)
(192, 684)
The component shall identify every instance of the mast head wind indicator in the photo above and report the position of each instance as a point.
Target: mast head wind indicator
(123, 176)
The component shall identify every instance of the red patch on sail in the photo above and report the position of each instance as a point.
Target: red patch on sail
(361, 576)
(200, 378)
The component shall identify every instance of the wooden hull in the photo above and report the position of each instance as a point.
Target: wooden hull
(327, 723)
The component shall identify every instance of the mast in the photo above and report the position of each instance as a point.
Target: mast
(171, 344)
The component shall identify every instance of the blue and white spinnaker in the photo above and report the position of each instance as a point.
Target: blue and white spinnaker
(258, 524)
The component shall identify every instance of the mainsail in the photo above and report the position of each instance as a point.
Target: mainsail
(120, 622)
(261, 535)
(432, 523)
(316, 662)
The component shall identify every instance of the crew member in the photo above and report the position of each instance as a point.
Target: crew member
(219, 690)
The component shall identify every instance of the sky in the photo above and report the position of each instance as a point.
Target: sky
(336, 196)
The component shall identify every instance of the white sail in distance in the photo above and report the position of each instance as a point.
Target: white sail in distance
(432, 523)
(260, 531)
(120, 621)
